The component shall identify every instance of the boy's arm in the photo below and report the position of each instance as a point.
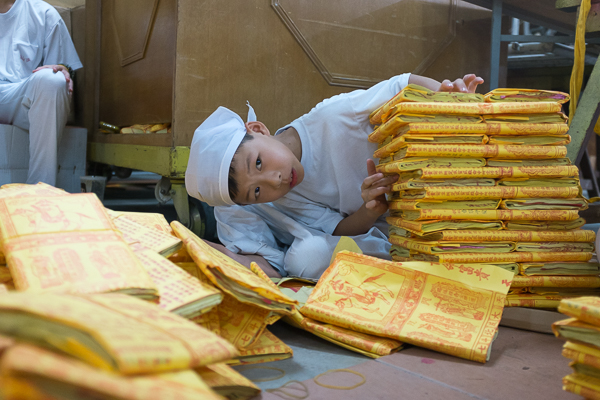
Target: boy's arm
(373, 190)
(467, 84)
(245, 260)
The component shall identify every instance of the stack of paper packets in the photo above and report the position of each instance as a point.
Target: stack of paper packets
(71, 271)
(582, 333)
(485, 179)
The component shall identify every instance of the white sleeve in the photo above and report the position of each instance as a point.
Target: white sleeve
(244, 232)
(59, 48)
(365, 101)
(313, 215)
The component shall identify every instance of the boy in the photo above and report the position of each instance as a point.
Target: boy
(284, 201)
(38, 59)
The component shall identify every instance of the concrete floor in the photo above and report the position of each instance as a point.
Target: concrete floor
(523, 364)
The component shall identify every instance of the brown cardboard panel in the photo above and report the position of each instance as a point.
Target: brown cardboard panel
(251, 55)
(227, 55)
(141, 91)
(523, 364)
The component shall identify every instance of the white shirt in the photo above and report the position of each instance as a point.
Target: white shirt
(33, 34)
(335, 150)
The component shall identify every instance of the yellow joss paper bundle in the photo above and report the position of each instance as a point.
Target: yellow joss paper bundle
(29, 372)
(496, 192)
(544, 225)
(392, 126)
(546, 140)
(518, 257)
(373, 346)
(390, 166)
(554, 246)
(490, 215)
(419, 183)
(549, 162)
(575, 330)
(476, 108)
(153, 221)
(488, 129)
(557, 281)
(477, 151)
(550, 118)
(533, 300)
(586, 309)
(578, 203)
(240, 323)
(558, 182)
(515, 236)
(582, 354)
(112, 332)
(433, 138)
(137, 235)
(435, 247)
(421, 228)
(68, 244)
(227, 382)
(24, 190)
(180, 292)
(457, 310)
(526, 95)
(560, 268)
(401, 205)
(232, 277)
(417, 93)
(491, 173)
(582, 385)
(266, 348)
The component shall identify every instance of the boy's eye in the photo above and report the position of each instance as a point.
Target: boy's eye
(256, 192)
(258, 163)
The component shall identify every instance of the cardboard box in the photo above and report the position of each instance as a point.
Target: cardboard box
(14, 157)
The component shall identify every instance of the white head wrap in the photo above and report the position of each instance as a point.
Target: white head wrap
(213, 146)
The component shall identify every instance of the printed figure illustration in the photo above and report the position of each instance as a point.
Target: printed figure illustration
(364, 296)
(447, 327)
(458, 300)
(45, 212)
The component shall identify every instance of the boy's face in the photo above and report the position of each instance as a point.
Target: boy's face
(265, 169)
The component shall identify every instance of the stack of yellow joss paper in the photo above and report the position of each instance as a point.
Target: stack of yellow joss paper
(582, 347)
(120, 304)
(485, 179)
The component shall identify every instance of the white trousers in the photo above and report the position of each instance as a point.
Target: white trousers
(40, 104)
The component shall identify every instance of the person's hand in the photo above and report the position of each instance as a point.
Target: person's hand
(468, 84)
(374, 188)
(61, 68)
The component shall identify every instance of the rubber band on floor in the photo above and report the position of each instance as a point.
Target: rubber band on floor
(283, 391)
(316, 379)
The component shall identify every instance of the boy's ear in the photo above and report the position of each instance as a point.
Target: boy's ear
(257, 127)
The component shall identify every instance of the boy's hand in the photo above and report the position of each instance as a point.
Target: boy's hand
(61, 68)
(468, 84)
(374, 188)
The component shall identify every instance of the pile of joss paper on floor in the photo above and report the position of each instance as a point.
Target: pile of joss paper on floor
(582, 347)
(124, 305)
(485, 179)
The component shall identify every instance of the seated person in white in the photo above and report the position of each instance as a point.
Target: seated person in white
(36, 67)
(284, 201)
